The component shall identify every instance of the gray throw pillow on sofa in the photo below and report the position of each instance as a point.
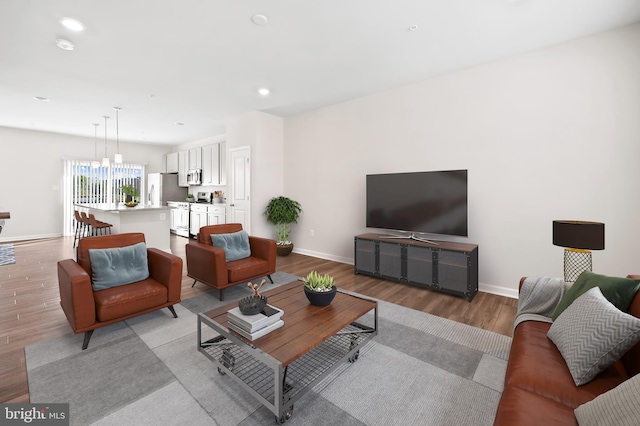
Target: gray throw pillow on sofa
(618, 407)
(592, 334)
(117, 266)
(235, 245)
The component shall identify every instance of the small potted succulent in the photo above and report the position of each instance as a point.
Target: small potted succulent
(319, 289)
(191, 198)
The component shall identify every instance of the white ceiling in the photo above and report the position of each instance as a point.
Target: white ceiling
(200, 62)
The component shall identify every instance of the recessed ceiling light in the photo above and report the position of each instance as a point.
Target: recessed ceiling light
(413, 27)
(41, 99)
(264, 91)
(178, 124)
(65, 44)
(72, 24)
(259, 19)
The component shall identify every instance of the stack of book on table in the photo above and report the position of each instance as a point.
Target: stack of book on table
(254, 326)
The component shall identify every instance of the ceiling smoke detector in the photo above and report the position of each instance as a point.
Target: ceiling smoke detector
(65, 44)
(259, 19)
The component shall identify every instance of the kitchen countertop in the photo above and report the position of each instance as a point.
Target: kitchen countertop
(120, 207)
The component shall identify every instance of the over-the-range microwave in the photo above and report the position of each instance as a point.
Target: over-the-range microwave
(194, 177)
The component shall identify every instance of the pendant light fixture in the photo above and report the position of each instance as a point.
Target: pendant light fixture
(117, 158)
(95, 163)
(105, 159)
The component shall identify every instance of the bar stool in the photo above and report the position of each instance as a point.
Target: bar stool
(98, 226)
(86, 224)
(79, 227)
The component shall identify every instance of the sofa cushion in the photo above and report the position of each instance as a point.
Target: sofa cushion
(235, 245)
(592, 333)
(519, 407)
(618, 407)
(247, 268)
(111, 267)
(117, 302)
(535, 364)
(619, 291)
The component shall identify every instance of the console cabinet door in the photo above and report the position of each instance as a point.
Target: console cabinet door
(390, 260)
(453, 270)
(420, 265)
(365, 256)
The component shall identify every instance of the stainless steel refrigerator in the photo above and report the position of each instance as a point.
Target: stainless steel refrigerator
(163, 187)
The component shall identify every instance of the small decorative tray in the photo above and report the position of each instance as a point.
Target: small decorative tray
(252, 305)
(131, 204)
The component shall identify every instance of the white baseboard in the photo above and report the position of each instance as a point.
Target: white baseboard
(325, 256)
(28, 237)
(487, 288)
(500, 291)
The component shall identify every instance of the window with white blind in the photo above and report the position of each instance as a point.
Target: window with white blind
(84, 184)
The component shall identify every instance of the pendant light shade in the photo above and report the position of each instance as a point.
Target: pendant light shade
(117, 158)
(95, 163)
(105, 159)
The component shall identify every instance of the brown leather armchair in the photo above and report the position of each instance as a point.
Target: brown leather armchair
(87, 309)
(207, 263)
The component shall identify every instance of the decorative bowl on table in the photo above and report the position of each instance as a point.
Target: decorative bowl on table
(131, 203)
(252, 305)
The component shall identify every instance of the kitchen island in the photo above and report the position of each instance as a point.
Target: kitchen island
(154, 222)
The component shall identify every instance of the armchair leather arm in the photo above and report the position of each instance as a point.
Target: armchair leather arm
(264, 248)
(207, 264)
(76, 295)
(166, 268)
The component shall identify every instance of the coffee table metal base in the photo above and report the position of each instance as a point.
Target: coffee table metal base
(275, 386)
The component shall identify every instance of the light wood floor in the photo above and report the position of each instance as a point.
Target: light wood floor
(30, 304)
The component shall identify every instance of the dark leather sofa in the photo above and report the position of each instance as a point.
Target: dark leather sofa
(539, 389)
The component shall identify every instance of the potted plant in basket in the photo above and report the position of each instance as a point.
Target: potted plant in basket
(319, 289)
(130, 195)
(282, 212)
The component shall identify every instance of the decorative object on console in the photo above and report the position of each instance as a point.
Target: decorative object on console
(283, 211)
(319, 289)
(578, 238)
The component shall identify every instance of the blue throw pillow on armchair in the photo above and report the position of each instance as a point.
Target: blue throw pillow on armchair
(117, 266)
(235, 245)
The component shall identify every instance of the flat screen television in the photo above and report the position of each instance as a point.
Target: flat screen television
(420, 202)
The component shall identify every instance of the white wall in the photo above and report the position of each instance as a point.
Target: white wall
(554, 134)
(264, 134)
(31, 167)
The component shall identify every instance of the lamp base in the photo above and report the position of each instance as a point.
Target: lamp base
(576, 261)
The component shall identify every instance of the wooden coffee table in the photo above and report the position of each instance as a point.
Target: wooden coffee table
(279, 368)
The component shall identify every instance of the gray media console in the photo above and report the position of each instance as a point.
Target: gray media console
(448, 267)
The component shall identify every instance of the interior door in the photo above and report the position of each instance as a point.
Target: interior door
(240, 185)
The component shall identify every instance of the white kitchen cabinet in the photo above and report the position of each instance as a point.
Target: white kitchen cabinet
(198, 218)
(183, 167)
(216, 215)
(172, 163)
(213, 164)
(195, 158)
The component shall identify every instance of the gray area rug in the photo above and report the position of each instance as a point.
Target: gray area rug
(7, 254)
(420, 369)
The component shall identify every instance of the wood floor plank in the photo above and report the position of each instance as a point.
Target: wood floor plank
(30, 303)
